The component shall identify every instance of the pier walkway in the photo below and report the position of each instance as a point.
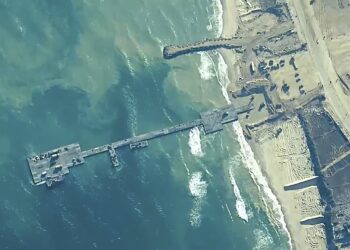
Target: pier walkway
(51, 167)
(143, 137)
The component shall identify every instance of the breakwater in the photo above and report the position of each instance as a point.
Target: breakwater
(173, 51)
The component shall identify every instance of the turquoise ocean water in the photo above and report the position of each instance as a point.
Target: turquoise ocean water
(92, 72)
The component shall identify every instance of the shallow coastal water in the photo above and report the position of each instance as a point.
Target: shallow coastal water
(92, 72)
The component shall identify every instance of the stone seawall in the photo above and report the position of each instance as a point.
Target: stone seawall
(173, 51)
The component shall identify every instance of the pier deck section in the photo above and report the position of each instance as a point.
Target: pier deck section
(50, 167)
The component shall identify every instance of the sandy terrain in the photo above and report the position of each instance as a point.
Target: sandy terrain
(289, 161)
(286, 159)
(308, 28)
(230, 27)
(333, 17)
(340, 53)
(334, 20)
(304, 78)
(230, 18)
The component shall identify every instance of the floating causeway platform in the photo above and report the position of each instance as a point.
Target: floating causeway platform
(51, 167)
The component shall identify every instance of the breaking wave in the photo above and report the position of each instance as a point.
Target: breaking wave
(198, 190)
(198, 187)
(194, 142)
(216, 22)
(240, 205)
(222, 76)
(258, 177)
(263, 240)
(206, 69)
(248, 155)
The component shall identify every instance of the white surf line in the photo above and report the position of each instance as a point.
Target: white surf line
(256, 173)
(198, 190)
(218, 17)
(240, 205)
(248, 155)
(206, 67)
(222, 77)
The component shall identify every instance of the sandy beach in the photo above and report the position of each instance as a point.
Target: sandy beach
(288, 162)
(230, 18)
(230, 27)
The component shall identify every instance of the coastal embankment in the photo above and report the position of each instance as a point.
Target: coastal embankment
(278, 162)
(170, 52)
(230, 26)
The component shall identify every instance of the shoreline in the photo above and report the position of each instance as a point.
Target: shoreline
(230, 27)
(280, 170)
(261, 160)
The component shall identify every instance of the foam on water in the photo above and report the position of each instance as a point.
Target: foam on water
(247, 153)
(194, 142)
(256, 173)
(128, 63)
(229, 211)
(24, 188)
(159, 208)
(170, 23)
(197, 186)
(131, 107)
(165, 112)
(195, 215)
(135, 204)
(138, 48)
(216, 22)
(263, 240)
(240, 205)
(183, 161)
(157, 39)
(198, 190)
(206, 68)
(222, 76)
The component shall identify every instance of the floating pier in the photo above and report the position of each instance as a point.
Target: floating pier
(51, 167)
